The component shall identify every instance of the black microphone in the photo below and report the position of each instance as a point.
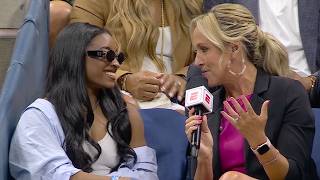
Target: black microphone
(195, 79)
(198, 97)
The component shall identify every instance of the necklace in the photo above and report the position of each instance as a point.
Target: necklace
(162, 28)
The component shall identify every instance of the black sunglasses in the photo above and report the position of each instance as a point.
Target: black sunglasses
(108, 55)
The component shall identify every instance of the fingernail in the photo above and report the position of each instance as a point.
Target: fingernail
(225, 103)
(171, 94)
(179, 98)
(163, 88)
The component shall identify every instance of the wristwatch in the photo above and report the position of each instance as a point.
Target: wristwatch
(262, 148)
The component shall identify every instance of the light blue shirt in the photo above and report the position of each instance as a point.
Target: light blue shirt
(37, 152)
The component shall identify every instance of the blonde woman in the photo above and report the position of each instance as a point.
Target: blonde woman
(155, 36)
(262, 125)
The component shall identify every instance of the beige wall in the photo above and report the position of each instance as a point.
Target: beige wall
(6, 46)
(12, 13)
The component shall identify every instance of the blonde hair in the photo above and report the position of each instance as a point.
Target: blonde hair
(135, 31)
(227, 23)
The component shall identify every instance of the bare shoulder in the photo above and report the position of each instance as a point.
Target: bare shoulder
(137, 127)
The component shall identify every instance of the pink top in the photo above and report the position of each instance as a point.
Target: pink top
(231, 145)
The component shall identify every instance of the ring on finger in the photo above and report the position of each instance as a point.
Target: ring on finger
(177, 83)
(235, 119)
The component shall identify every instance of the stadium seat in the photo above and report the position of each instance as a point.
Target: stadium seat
(164, 131)
(25, 77)
(316, 140)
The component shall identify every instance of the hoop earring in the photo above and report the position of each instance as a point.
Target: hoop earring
(237, 73)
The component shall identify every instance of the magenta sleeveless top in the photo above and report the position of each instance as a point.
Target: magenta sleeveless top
(231, 146)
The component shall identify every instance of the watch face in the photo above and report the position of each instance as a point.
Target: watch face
(263, 149)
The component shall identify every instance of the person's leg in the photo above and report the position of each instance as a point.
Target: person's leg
(59, 18)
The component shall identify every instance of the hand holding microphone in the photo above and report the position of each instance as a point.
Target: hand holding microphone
(206, 142)
(200, 100)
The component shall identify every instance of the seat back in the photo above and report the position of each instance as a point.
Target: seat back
(25, 78)
(164, 132)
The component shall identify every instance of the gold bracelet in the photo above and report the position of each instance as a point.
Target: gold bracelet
(124, 83)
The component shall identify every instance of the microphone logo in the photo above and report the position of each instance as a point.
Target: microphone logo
(207, 99)
(199, 96)
(194, 96)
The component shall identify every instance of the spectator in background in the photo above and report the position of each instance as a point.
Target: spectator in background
(82, 128)
(262, 125)
(59, 18)
(297, 25)
(155, 37)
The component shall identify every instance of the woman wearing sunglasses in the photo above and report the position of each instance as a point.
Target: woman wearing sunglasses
(82, 128)
(155, 36)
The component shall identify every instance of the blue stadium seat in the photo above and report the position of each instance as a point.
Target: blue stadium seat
(164, 131)
(25, 77)
(316, 140)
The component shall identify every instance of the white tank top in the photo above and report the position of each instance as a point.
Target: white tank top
(108, 158)
(148, 64)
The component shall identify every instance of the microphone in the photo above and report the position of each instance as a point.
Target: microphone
(201, 100)
(198, 97)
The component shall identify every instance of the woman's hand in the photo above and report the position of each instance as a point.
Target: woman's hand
(206, 143)
(172, 85)
(143, 85)
(249, 124)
